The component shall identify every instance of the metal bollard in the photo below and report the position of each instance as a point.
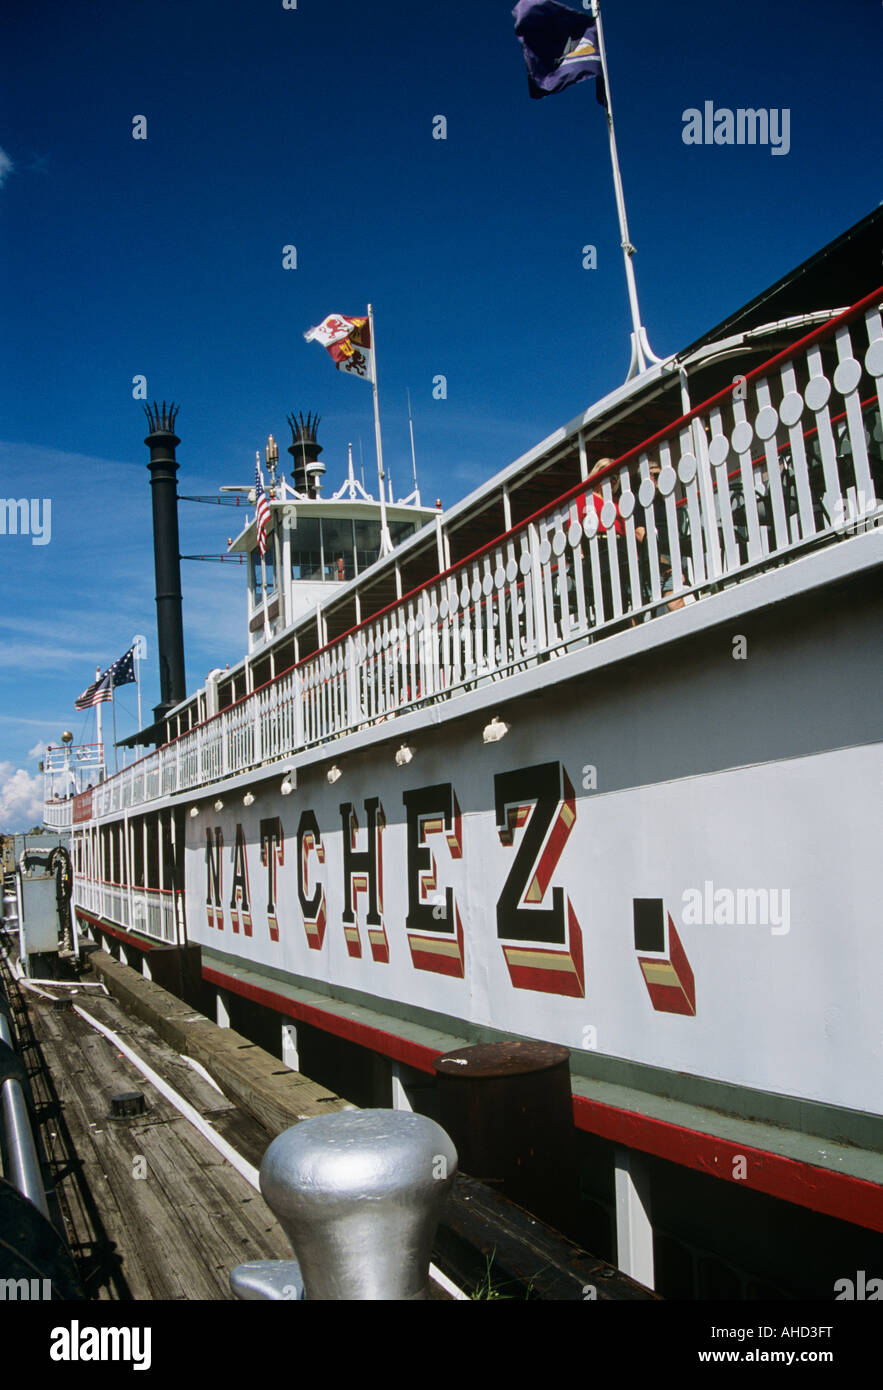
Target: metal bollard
(358, 1194)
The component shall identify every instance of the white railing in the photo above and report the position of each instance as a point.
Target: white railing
(58, 815)
(790, 457)
(153, 912)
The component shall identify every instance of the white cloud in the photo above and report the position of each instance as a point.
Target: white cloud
(6, 167)
(21, 798)
(38, 750)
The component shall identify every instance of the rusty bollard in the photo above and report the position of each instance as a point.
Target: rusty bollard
(508, 1109)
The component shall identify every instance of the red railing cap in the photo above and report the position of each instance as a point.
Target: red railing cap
(816, 335)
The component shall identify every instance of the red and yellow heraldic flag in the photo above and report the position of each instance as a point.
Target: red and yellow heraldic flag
(348, 340)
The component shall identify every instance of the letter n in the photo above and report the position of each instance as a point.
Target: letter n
(214, 878)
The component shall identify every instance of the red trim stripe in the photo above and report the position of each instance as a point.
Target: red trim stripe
(834, 1194)
(821, 1189)
(142, 943)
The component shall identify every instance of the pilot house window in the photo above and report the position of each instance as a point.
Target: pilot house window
(269, 569)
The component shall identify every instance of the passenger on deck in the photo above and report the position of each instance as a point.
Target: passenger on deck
(602, 610)
(660, 522)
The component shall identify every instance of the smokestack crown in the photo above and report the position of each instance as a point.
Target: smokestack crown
(305, 451)
(161, 420)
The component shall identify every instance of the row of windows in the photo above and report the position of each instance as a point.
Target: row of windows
(328, 549)
(103, 853)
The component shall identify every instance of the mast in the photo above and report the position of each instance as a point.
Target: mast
(98, 725)
(385, 538)
(642, 354)
(413, 452)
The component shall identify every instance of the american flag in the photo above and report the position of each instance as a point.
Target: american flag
(119, 673)
(94, 694)
(262, 509)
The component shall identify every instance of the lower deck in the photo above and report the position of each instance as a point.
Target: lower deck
(152, 1210)
(691, 1201)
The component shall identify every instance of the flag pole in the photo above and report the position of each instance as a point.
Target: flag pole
(642, 354)
(413, 452)
(113, 712)
(98, 722)
(137, 645)
(385, 538)
(263, 567)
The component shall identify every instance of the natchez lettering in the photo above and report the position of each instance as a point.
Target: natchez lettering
(534, 811)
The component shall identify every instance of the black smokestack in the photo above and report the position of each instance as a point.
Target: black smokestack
(307, 471)
(162, 442)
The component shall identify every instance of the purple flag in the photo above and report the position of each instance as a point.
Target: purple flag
(560, 47)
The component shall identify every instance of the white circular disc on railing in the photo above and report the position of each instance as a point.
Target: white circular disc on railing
(464, 596)
(718, 449)
(443, 609)
(847, 375)
(646, 491)
(559, 542)
(608, 514)
(742, 436)
(874, 358)
(545, 552)
(525, 563)
(791, 408)
(626, 505)
(574, 534)
(340, 663)
(476, 590)
(387, 638)
(817, 393)
(499, 577)
(667, 480)
(767, 422)
(687, 468)
(433, 612)
(590, 522)
(370, 646)
(512, 571)
(419, 622)
(410, 627)
(487, 585)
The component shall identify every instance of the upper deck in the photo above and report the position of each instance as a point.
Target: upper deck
(785, 459)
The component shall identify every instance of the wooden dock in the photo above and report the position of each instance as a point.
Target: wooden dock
(153, 1210)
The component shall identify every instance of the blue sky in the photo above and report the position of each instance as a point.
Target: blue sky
(312, 127)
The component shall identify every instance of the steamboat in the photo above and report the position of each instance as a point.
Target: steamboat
(591, 758)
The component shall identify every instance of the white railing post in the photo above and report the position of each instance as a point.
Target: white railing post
(257, 736)
(536, 585)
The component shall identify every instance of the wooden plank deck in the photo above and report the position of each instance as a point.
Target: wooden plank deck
(177, 1231)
